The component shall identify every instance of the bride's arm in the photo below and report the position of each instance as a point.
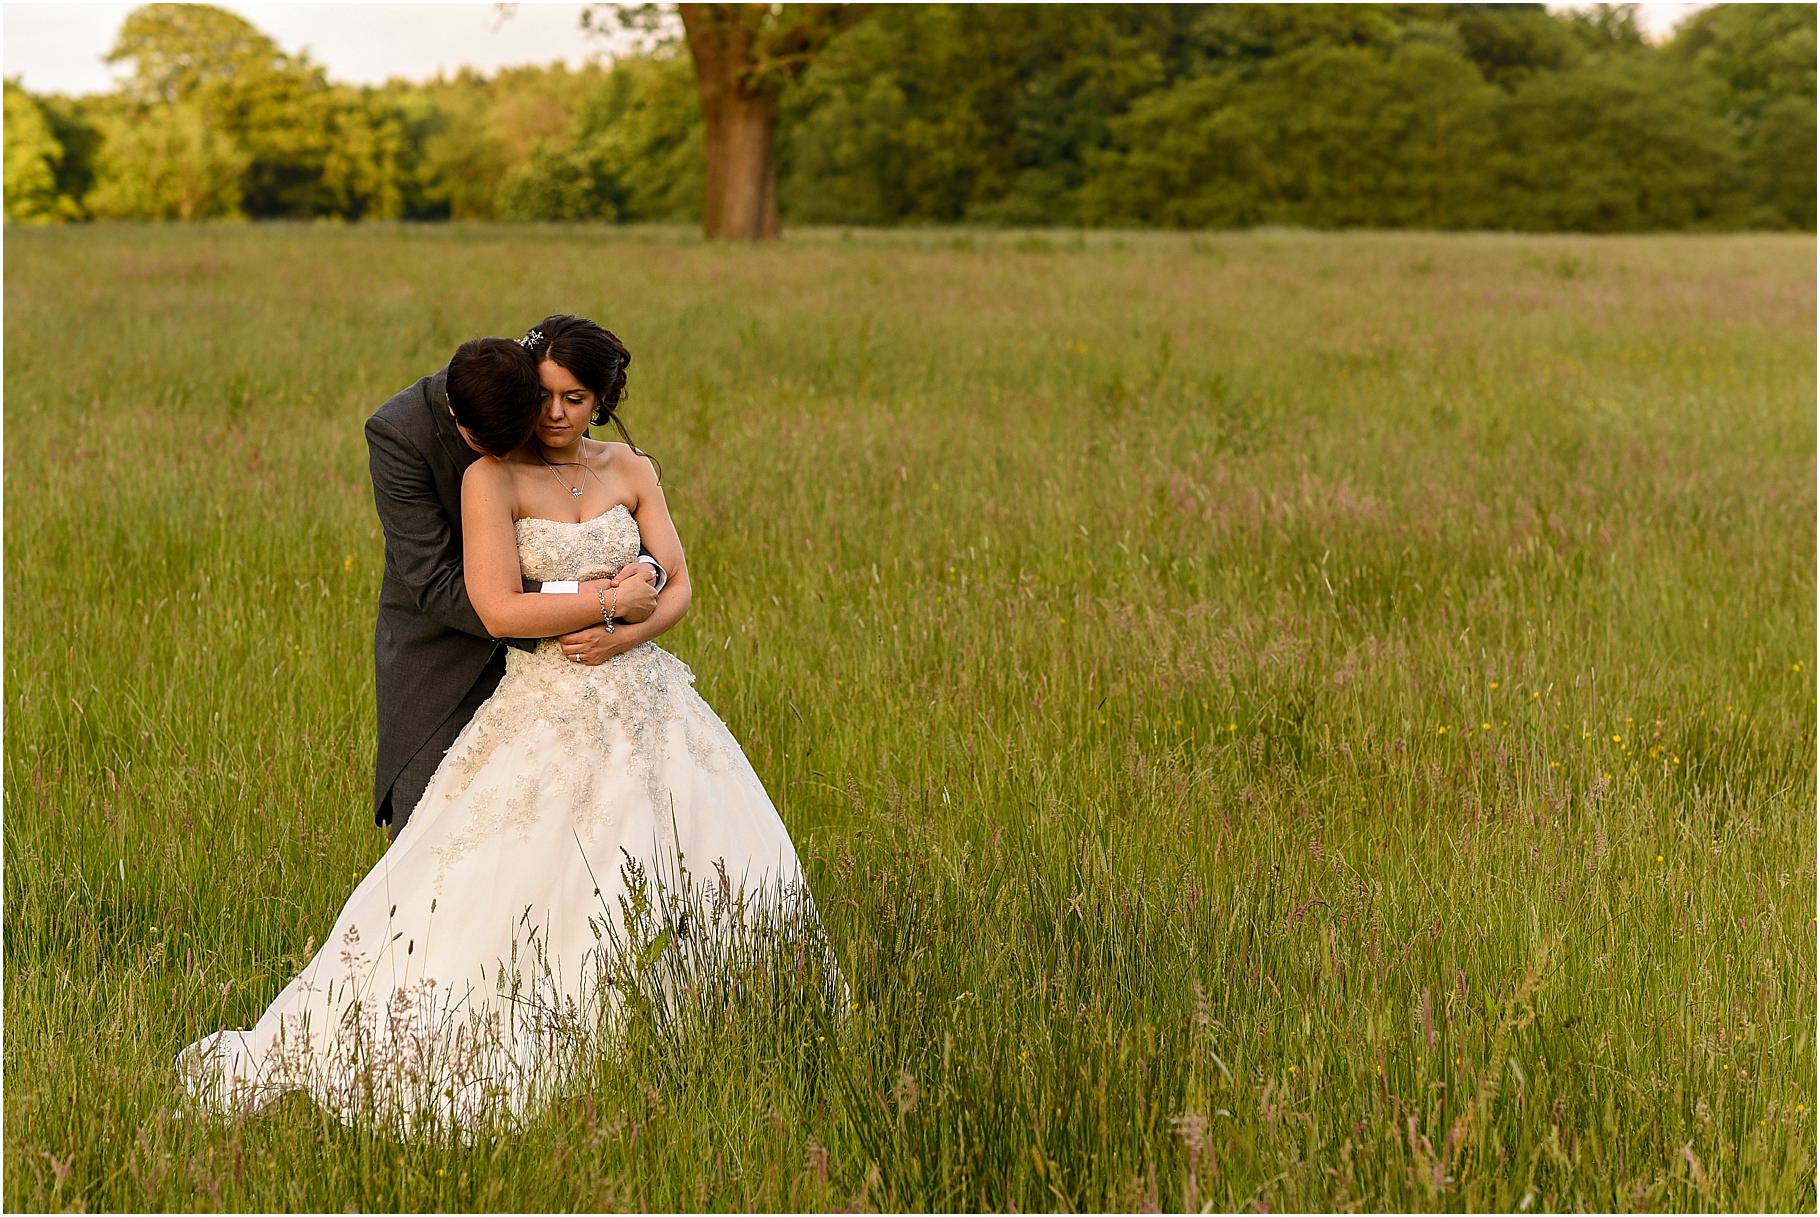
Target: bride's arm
(490, 565)
(661, 542)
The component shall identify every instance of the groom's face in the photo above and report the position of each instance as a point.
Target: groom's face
(466, 435)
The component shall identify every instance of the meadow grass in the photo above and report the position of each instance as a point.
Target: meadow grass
(1271, 720)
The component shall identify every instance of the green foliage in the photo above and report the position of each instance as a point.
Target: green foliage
(1383, 115)
(173, 164)
(635, 151)
(947, 112)
(366, 169)
(33, 155)
(561, 183)
(463, 160)
(1247, 37)
(1190, 156)
(1322, 135)
(1509, 43)
(1619, 145)
(178, 51)
(643, 124)
(279, 110)
(1760, 58)
(1319, 115)
(73, 123)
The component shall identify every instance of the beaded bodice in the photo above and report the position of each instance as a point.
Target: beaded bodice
(564, 549)
(567, 549)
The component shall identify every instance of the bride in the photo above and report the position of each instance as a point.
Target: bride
(594, 831)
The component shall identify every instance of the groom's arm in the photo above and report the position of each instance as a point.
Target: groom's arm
(659, 576)
(419, 538)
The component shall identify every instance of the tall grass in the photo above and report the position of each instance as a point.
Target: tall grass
(1272, 721)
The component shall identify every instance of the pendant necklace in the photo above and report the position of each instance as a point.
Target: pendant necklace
(575, 489)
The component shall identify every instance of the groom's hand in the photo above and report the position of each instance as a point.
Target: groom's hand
(637, 586)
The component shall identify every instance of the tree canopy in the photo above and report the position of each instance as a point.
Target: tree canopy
(1385, 115)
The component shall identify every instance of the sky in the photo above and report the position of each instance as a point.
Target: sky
(58, 48)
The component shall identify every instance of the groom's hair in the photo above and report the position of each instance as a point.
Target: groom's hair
(493, 389)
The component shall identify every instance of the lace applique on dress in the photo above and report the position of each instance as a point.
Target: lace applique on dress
(621, 713)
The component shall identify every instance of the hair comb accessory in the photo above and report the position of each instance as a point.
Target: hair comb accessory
(531, 339)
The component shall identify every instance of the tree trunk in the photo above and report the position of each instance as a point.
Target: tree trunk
(741, 126)
(741, 169)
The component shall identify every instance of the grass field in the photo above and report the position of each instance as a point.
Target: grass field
(1272, 720)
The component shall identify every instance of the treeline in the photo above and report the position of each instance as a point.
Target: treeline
(1381, 115)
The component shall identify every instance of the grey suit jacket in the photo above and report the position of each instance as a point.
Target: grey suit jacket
(430, 651)
(429, 647)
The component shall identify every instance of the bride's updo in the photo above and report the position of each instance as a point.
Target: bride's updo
(593, 355)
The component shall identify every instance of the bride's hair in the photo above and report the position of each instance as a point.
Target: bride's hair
(594, 356)
(493, 389)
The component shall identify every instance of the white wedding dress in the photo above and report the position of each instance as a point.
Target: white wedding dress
(593, 828)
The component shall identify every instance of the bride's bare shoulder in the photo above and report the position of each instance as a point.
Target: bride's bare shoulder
(627, 460)
(487, 475)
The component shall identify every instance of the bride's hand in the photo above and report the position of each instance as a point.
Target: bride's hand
(595, 645)
(636, 584)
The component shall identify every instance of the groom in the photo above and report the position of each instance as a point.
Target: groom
(434, 663)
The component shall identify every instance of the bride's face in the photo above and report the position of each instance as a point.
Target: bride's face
(564, 407)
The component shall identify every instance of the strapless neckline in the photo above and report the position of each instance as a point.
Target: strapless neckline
(578, 523)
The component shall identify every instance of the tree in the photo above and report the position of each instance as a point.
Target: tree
(744, 56)
(364, 172)
(463, 160)
(643, 123)
(950, 112)
(1440, 128)
(1189, 156)
(278, 109)
(560, 182)
(1760, 60)
(1510, 43)
(170, 164)
(1622, 144)
(73, 121)
(180, 50)
(32, 157)
(634, 151)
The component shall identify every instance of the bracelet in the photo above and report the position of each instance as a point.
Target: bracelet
(600, 593)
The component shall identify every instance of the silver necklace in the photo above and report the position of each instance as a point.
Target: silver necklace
(575, 488)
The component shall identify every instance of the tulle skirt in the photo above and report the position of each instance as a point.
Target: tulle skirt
(593, 832)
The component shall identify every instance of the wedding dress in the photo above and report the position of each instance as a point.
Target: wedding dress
(592, 828)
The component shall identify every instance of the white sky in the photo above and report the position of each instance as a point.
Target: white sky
(58, 48)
